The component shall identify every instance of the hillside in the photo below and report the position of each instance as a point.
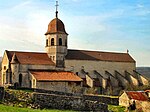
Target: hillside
(144, 71)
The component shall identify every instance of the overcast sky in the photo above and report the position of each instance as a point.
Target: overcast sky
(103, 25)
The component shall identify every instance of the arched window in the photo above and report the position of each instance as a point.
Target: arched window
(34, 82)
(60, 41)
(53, 57)
(52, 42)
(46, 42)
(50, 57)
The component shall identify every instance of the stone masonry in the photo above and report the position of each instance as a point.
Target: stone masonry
(67, 102)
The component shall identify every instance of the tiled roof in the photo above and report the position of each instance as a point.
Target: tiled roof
(10, 54)
(42, 58)
(56, 26)
(97, 55)
(55, 76)
(137, 95)
(31, 57)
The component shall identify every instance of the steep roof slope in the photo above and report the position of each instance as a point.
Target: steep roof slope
(31, 57)
(137, 95)
(42, 58)
(55, 76)
(98, 55)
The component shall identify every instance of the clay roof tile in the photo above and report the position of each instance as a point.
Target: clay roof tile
(55, 76)
(99, 56)
(31, 58)
(137, 95)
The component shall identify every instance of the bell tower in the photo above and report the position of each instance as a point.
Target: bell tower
(56, 41)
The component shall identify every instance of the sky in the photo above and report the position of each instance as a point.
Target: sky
(99, 25)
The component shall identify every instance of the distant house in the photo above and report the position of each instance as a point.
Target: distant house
(128, 96)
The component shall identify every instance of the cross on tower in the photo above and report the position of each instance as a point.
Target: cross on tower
(56, 9)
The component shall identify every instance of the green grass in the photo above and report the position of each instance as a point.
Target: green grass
(114, 108)
(4, 108)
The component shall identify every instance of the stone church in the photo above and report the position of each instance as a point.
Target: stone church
(63, 69)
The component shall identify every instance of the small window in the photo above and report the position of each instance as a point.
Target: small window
(70, 83)
(53, 57)
(52, 42)
(46, 42)
(60, 41)
(77, 73)
(34, 82)
(78, 83)
(50, 57)
(4, 67)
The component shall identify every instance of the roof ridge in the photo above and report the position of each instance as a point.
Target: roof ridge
(99, 55)
(27, 52)
(98, 51)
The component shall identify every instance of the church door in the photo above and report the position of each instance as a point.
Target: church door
(30, 84)
(10, 78)
(20, 80)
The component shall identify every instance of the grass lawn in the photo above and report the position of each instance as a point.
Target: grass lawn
(4, 108)
(116, 108)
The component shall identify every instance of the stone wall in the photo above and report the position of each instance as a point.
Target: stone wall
(67, 102)
(1, 93)
(43, 91)
(24, 70)
(104, 99)
(38, 98)
(62, 86)
(89, 66)
(18, 98)
(99, 66)
(113, 100)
